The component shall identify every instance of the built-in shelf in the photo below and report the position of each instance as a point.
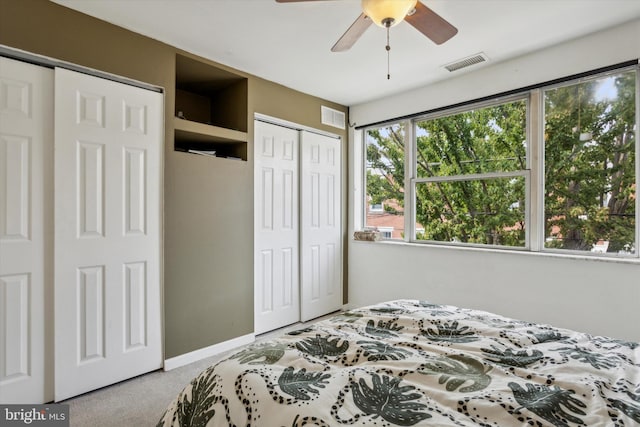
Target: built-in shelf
(196, 136)
(208, 133)
(210, 109)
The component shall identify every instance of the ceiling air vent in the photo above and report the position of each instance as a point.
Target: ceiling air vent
(332, 117)
(467, 62)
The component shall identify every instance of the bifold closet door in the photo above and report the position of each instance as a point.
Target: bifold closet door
(320, 225)
(107, 232)
(276, 281)
(26, 185)
(297, 229)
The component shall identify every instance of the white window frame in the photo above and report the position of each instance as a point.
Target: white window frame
(363, 173)
(541, 142)
(413, 180)
(525, 173)
(533, 173)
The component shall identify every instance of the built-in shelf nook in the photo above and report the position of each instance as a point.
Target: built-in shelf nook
(210, 110)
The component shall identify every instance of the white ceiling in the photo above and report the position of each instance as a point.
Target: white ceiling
(290, 43)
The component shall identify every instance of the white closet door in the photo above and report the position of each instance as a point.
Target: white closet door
(107, 233)
(26, 146)
(320, 225)
(276, 228)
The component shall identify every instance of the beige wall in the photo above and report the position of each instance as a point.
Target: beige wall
(208, 215)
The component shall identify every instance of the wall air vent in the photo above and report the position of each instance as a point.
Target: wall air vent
(332, 117)
(466, 62)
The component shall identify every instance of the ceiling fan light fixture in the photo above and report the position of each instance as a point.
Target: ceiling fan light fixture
(387, 13)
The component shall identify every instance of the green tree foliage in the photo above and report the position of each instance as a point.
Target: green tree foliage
(487, 211)
(590, 164)
(385, 165)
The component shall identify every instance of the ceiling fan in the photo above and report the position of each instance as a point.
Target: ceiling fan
(388, 13)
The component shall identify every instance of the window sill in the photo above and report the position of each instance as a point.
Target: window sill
(515, 251)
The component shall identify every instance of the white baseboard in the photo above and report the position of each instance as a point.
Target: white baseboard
(203, 353)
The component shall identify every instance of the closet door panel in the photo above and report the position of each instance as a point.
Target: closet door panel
(276, 266)
(26, 145)
(320, 229)
(108, 140)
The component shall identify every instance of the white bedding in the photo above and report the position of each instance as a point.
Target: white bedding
(408, 362)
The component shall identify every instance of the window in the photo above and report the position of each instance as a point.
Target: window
(471, 176)
(590, 167)
(386, 232)
(557, 177)
(376, 208)
(385, 179)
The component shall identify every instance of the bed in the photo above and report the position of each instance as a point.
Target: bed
(412, 363)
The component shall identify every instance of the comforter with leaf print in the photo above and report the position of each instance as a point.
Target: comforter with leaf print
(411, 363)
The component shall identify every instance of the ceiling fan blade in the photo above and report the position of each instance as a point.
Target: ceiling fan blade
(431, 24)
(352, 34)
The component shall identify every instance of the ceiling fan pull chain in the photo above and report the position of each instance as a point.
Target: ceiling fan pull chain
(388, 47)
